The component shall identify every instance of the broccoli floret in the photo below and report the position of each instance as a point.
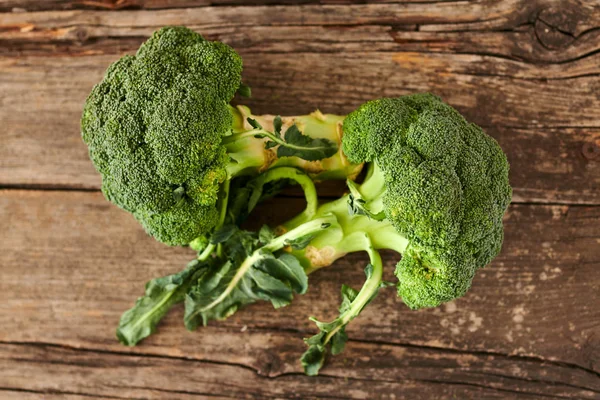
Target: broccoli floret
(162, 134)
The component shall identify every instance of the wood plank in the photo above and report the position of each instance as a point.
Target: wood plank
(40, 145)
(37, 5)
(415, 373)
(47, 5)
(541, 30)
(72, 263)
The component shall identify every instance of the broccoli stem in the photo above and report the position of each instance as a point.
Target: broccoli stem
(293, 174)
(367, 292)
(250, 154)
(348, 232)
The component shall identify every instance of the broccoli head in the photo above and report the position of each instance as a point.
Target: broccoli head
(446, 190)
(154, 125)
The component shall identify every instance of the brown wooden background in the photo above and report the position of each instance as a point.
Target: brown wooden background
(526, 70)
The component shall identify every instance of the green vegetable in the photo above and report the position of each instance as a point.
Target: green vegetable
(436, 190)
(161, 131)
(191, 168)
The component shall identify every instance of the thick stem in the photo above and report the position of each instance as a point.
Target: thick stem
(252, 157)
(347, 234)
(308, 187)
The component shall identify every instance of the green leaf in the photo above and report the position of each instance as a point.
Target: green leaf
(313, 359)
(270, 144)
(338, 341)
(277, 124)
(217, 294)
(254, 123)
(301, 242)
(244, 90)
(266, 234)
(305, 147)
(223, 234)
(286, 268)
(357, 206)
(161, 294)
(348, 296)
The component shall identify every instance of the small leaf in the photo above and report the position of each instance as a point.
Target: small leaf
(312, 360)
(305, 147)
(286, 268)
(223, 234)
(338, 341)
(244, 90)
(277, 123)
(301, 242)
(254, 123)
(358, 206)
(266, 234)
(348, 296)
(270, 144)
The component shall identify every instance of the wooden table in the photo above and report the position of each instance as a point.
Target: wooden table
(528, 71)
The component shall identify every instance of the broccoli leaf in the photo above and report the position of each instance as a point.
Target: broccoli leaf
(243, 279)
(358, 206)
(305, 147)
(301, 242)
(294, 143)
(161, 294)
(244, 90)
(277, 124)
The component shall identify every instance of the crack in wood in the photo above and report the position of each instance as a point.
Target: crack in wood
(537, 360)
(62, 392)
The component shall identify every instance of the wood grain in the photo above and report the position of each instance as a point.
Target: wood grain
(537, 97)
(526, 70)
(72, 263)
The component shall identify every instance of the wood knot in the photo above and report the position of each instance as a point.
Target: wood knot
(81, 34)
(591, 151)
(556, 28)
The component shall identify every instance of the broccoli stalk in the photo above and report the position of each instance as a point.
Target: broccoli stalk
(260, 142)
(353, 229)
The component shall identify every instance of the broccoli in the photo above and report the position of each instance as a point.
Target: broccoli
(435, 192)
(191, 167)
(161, 132)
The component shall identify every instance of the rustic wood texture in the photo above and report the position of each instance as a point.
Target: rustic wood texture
(537, 95)
(526, 70)
(77, 262)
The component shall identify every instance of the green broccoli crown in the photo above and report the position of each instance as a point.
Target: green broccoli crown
(154, 127)
(446, 190)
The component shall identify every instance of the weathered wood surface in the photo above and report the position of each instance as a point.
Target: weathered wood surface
(528, 73)
(526, 70)
(76, 262)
